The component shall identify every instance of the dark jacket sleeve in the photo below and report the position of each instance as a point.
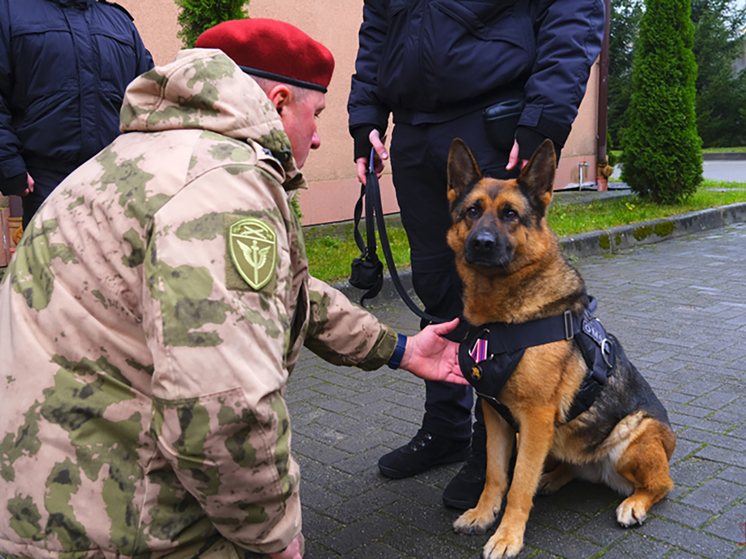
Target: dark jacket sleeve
(568, 41)
(144, 59)
(366, 111)
(11, 164)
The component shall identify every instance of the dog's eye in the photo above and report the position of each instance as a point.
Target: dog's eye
(474, 211)
(511, 214)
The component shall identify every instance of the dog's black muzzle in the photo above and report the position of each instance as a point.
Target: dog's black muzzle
(485, 248)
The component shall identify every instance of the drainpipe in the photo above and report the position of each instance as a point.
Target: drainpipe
(603, 95)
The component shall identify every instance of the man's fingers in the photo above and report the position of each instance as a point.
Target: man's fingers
(456, 378)
(445, 327)
(362, 168)
(513, 157)
(375, 140)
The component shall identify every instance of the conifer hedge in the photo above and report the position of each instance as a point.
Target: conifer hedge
(662, 153)
(197, 16)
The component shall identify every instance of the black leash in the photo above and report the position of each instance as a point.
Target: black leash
(367, 269)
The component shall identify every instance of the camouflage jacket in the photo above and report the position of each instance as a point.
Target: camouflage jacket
(148, 325)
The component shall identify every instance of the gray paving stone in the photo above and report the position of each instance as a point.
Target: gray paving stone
(723, 441)
(558, 543)
(689, 540)
(584, 498)
(736, 475)
(603, 530)
(637, 546)
(693, 471)
(715, 400)
(723, 455)
(554, 517)
(684, 448)
(434, 520)
(376, 550)
(731, 525)
(691, 516)
(422, 544)
(353, 509)
(352, 536)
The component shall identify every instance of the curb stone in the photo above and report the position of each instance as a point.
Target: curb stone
(594, 243)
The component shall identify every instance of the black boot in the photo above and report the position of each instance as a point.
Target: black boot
(422, 453)
(464, 489)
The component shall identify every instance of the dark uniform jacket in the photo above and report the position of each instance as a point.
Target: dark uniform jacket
(64, 66)
(429, 61)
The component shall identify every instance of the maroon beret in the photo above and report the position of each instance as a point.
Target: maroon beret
(272, 49)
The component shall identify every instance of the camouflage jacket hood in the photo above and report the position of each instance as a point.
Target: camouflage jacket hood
(205, 89)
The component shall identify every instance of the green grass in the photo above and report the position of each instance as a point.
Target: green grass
(329, 258)
(740, 149)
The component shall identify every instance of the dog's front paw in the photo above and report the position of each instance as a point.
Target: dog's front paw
(630, 512)
(474, 522)
(503, 545)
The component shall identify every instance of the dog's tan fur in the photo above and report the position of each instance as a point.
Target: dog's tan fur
(535, 281)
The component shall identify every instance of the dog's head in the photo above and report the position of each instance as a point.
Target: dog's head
(499, 226)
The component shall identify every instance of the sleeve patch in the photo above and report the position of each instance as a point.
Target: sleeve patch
(252, 248)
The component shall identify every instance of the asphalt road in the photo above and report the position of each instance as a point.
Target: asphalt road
(732, 171)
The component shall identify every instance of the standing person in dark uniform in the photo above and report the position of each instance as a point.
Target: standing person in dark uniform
(64, 66)
(501, 75)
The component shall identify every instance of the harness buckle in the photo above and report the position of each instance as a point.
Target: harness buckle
(569, 328)
(606, 351)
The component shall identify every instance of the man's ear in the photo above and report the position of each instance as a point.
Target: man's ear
(538, 176)
(463, 170)
(280, 96)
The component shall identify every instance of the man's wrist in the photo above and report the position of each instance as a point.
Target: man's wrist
(529, 141)
(360, 137)
(401, 346)
(14, 185)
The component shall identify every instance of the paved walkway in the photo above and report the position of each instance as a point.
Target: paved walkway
(678, 306)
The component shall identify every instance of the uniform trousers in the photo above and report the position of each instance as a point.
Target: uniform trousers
(419, 157)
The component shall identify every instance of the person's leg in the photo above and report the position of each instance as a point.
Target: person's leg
(45, 181)
(420, 185)
(464, 489)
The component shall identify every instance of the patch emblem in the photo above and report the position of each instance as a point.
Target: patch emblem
(253, 247)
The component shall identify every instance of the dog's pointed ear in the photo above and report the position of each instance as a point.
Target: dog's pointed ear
(538, 176)
(462, 169)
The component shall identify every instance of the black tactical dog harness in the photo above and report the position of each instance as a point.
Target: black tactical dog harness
(490, 353)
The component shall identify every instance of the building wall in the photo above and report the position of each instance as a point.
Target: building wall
(331, 171)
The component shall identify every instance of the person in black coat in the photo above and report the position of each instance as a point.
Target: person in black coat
(64, 66)
(503, 75)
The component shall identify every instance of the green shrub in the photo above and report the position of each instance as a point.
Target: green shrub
(197, 16)
(661, 151)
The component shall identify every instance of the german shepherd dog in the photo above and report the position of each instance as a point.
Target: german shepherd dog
(514, 272)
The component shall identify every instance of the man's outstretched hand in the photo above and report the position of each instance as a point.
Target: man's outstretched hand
(293, 551)
(431, 357)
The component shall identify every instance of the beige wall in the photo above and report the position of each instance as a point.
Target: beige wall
(331, 170)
